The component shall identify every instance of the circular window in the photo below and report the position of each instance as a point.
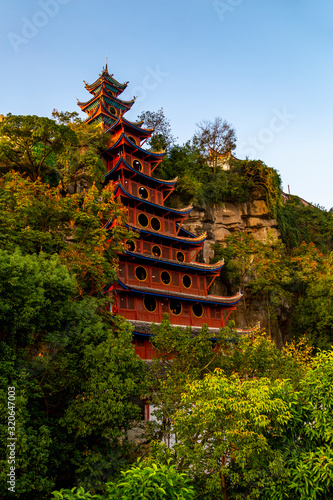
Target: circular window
(165, 277)
(175, 307)
(143, 193)
(137, 165)
(150, 303)
(141, 273)
(155, 224)
(130, 246)
(132, 139)
(197, 310)
(113, 110)
(187, 282)
(156, 251)
(180, 256)
(143, 220)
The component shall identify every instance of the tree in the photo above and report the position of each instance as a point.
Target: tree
(76, 378)
(260, 269)
(161, 139)
(227, 430)
(307, 444)
(80, 164)
(215, 138)
(30, 145)
(36, 217)
(181, 357)
(313, 315)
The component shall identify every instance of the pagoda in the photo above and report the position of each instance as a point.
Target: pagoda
(158, 272)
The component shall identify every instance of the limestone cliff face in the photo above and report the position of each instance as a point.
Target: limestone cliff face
(222, 220)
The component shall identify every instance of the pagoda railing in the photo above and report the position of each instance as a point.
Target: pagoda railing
(163, 279)
(145, 165)
(167, 226)
(154, 195)
(163, 251)
(186, 317)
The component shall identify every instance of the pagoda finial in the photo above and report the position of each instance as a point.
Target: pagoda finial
(106, 66)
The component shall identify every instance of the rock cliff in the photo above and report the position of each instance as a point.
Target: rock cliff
(222, 220)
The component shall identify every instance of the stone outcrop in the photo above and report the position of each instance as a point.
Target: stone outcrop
(222, 220)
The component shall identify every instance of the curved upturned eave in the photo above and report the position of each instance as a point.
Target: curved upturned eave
(135, 146)
(196, 241)
(144, 131)
(109, 78)
(100, 109)
(191, 265)
(181, 212)
(104, 92)
(171, 182)
(207, 299)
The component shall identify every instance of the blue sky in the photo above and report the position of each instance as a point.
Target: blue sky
(263, 65)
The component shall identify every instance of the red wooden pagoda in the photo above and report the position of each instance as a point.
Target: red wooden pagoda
(158, 273)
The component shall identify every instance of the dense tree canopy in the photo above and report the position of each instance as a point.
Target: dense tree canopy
(247, 420)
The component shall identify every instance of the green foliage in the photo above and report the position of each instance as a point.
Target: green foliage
(113, 376)
(305, 223)
(27, 317)
(229, 427)
(56, 255)
(37, 218)
(314, 311)
(151, 482)
(66, 494)
(307, 448)
(200, 184)
(30, 145)
(262, 270)
(80, 164)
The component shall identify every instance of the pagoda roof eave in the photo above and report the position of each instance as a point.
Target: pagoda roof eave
(100, 109)
(183, 230)
(123, 136)
(144, 131)
(197, 241)
(126, 104)
(171, 182)
(207, 299)
(193, 265)
(181, 212)
(113, 81)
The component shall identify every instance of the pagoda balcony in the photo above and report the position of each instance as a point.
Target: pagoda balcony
(133, 161)
(151, 248)
(134, 308)
(151, 222)
(134, 274)
(146, 193)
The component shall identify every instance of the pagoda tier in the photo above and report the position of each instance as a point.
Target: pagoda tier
(124, 126)
(104, 107)
(157, 273)
(178, 248)
(140, 159)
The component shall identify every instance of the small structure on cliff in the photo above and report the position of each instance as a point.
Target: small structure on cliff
(220, 160)
(157, 273)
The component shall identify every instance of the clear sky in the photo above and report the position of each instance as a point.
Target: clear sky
(263, 65)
